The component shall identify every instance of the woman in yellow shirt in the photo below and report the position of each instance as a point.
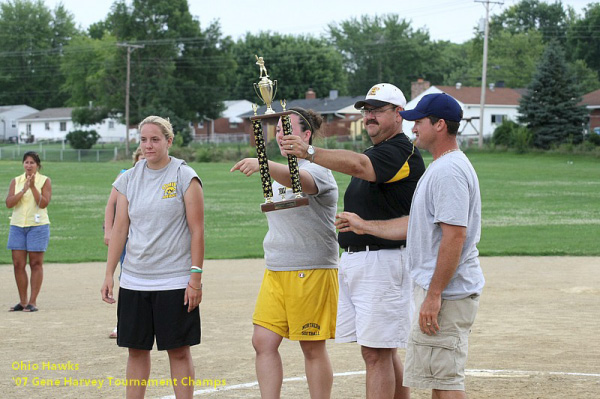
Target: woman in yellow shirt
(29, 194)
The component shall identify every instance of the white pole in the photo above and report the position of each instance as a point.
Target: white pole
(127, 102)
(484, 73)
(130, 48)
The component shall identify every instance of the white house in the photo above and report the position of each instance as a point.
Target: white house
(9, 115)
(501, 103)
(55, 123)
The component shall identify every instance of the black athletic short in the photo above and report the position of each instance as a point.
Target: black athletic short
(142, 315)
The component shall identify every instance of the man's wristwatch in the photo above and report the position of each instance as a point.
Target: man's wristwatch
(310, 153)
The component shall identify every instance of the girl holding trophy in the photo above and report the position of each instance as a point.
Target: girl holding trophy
(299, 291)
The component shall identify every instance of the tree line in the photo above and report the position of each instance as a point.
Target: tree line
(185, 71)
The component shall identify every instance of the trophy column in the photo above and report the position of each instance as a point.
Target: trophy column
(261, 154)
(292, 161)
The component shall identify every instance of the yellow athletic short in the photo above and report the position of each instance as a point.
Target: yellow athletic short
(300, 305)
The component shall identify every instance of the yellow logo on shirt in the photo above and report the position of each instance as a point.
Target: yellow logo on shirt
(170, 190)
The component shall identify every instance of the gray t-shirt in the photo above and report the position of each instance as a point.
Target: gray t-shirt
(159, 245)
(448, 193)
(304, 237)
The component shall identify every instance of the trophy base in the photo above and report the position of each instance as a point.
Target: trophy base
(287, 204)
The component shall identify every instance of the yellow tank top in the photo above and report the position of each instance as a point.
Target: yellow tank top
(24, 212)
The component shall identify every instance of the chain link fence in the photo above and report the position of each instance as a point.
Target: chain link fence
(65, 155)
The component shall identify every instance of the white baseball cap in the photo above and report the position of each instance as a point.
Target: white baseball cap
(381, 95)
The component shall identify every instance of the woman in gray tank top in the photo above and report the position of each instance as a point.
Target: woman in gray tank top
(160, 208)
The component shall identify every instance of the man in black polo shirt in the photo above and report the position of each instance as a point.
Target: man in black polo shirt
(375, 300)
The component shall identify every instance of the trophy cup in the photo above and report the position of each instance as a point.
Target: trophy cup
(266, 90)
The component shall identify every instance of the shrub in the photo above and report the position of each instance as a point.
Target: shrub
(82, 139)
(185, 135)
(188, 154)
(207, 153)
(522, 138)
(503, 135)
(594, 138)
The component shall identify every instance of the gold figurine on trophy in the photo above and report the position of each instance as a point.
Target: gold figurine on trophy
(265, 88)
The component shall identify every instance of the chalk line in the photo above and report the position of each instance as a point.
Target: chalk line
(471, 372)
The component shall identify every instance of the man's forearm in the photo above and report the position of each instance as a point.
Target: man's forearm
(392, 229)
(346, 162)
(453, 239)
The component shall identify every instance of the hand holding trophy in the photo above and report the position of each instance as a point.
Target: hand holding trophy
(266, 90)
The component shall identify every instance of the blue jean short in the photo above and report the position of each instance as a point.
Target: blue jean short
(30, 239)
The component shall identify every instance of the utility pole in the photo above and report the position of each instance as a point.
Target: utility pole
(130, 48)
(486, 3)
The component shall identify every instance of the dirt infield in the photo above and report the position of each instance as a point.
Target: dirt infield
(535, 336)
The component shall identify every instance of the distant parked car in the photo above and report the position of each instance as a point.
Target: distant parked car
(596, 130)
(13, 139)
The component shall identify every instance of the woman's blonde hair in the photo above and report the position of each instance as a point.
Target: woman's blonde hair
(163, 124)
(136, 155)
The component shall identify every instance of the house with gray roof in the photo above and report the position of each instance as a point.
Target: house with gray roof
(53, 124)
(341, 119)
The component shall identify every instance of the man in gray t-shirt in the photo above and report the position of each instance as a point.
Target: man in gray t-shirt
(442, 233)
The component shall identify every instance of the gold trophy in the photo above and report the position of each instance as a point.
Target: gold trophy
(266, 90)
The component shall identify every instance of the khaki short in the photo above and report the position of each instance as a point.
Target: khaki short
(438, 361)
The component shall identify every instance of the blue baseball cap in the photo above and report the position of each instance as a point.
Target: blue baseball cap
(440, 105)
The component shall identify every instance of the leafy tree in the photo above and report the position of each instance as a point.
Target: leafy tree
(31, 41)
(94, 72)
(86, 116)
(512, 59)
(550, 19)
(451, 60)
(381, 49)
(586, 79)
(82, 139)
(296, 62)
(468, 72)
(584, 37)
(182, 70)
(550, 107)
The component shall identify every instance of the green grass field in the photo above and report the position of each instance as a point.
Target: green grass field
(533, 204)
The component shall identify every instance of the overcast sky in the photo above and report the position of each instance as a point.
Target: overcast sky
(451, 20)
